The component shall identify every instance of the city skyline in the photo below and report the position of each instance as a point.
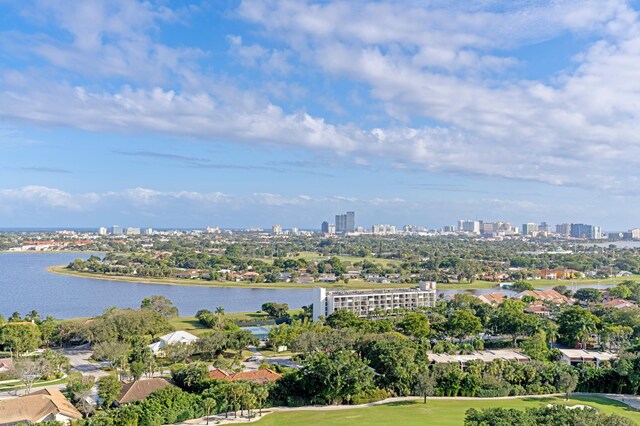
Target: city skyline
(255, 112)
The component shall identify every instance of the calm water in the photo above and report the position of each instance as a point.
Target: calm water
(25, 284)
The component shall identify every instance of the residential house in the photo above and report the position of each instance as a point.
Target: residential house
(140, 389)
(494, 298)
(578, 356)
(548, 295)
(487, 356)
(327, 278)
(177, 337)
(614, 303)
(284, 277)
(257, 376)
(305, 280)
(44, 405)
(352, 274)
(538, 309)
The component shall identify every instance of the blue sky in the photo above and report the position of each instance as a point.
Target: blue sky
(255, 112)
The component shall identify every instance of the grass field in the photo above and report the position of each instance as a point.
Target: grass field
(435, 412)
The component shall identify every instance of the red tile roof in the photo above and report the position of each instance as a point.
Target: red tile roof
(259, 376)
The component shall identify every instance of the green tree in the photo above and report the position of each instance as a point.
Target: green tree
(161, 305)
(109, 388)
(620, 291)
(567, 383)
(415, 324)
(576, 324)
(425, 384)
(588, 295)
(462, 324)
(80, 388)
(20, 337)
(333, 378)
(276, 310)
(511, 319)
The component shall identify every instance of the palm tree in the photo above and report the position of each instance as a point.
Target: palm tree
(208, 403)
(262, 393)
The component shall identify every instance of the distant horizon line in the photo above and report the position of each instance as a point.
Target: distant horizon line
(245, 228)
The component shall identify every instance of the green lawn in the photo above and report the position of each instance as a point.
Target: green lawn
(435, 412)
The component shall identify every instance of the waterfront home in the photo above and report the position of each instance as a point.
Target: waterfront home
(550, 295)
(177, 337)
(494, 298)
(44, 405)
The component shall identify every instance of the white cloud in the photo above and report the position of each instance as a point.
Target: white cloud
(423, 63)
(45, 197)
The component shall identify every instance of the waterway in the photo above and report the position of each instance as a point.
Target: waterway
(26, 285)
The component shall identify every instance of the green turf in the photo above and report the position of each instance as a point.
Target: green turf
(435, 412)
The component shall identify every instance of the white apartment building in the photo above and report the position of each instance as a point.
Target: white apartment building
(364, 302)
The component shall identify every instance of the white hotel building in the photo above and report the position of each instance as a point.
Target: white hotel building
(364, 302)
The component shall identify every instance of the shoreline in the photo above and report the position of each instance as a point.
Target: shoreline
(352, 285)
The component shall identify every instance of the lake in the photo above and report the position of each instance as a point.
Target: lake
(26, 285)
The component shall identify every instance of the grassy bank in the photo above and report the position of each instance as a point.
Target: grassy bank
(440, 412)
(353, 284)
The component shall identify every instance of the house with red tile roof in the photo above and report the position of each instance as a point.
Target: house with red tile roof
(44, 405)
(263, 375)
(614, 303)
(140, 389)
(546, 295)
(494, 298)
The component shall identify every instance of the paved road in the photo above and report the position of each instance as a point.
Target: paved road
(79, 360)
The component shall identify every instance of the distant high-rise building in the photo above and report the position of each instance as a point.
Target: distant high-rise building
(634, 233)
(133, 231)
(351, 221)
(116, 230)
(544, 227)
(324, 228)
(488, 228)
(472, 226)
(341, 223)
(276, 229)
(147, 231)
(529, 229)
(563, 229)
(448, 228)
(580, 230)
(102, 231)
(383, 229)
(332, 228)
(345, 223)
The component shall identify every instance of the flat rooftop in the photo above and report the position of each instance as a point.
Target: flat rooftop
(377, 291)
(487, 356)
(582, 355)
